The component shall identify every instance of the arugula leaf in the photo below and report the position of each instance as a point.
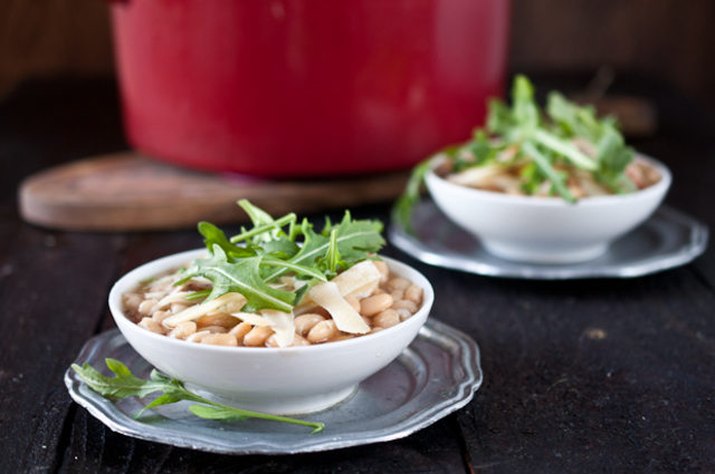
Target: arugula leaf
(242, 276)
(197, 295)
(613, 155)
(213, 236)
(265, 228)
(296, 268)
(525, 112)
(499, 118)
(332, 256)
(402, 211)
(356, 241)
(248, 263)
(258, 216)
(265, 232)
(564, 148)
(572, 119)
(531, 178)
(314, 246)
(545, 167)
(282, 247)
(331, 262)
(124, 384)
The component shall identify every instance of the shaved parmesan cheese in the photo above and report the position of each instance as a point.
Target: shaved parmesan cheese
(226, 303)
(359, 280)
(174, 297)
(475, 176)
(346, 318)
(282, 324)
(252, 318)
(292, 282)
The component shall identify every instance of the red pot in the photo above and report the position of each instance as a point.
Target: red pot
(306, 87)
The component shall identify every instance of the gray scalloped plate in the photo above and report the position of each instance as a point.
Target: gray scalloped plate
(436, 375)
(669, 238)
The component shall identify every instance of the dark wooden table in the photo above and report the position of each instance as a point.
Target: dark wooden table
(606, 375)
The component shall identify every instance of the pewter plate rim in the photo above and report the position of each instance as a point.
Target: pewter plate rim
(118, 421)
(687, 252)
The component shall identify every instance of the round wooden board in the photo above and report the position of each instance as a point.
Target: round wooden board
(125, 191)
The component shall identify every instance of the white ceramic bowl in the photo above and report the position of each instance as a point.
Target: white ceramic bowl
(288, 380)
(547, 230)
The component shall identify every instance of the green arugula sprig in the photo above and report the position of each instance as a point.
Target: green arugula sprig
(252, 261)
(543, 141)
(124, 384)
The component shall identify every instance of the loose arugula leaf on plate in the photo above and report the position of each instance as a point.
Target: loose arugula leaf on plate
(124, 384)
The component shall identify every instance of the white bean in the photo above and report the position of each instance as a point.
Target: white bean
(146, 306)
(219, 339)
(387, 319)
(322, 332)
(160, 316)
(398, 284)
(305, 322)
(375, 304)
(183, 330)
(217, 319)
(151, 325)
(404, 313)
(407, 304)
(414, 294)
(240, 330)
(257, 336)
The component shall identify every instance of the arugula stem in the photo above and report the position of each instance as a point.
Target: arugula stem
(300, 269)
(318, 251)
(197, 295)
(564, 148)
(402, 210)
(241, 412)
(277, 224)
(333, 255)
(543, 163)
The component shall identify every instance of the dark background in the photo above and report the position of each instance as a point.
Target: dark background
(670, 40)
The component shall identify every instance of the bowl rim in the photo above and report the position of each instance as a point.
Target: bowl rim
(661, 187)
(131, 279)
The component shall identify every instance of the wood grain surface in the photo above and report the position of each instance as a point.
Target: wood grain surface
(580, 376)
(125, 191)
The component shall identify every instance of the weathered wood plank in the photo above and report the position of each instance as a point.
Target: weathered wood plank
(96, 449)
(52, 291)
(589, 376)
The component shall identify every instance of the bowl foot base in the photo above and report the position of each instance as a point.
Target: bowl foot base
(278, 405)
(534, 254)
